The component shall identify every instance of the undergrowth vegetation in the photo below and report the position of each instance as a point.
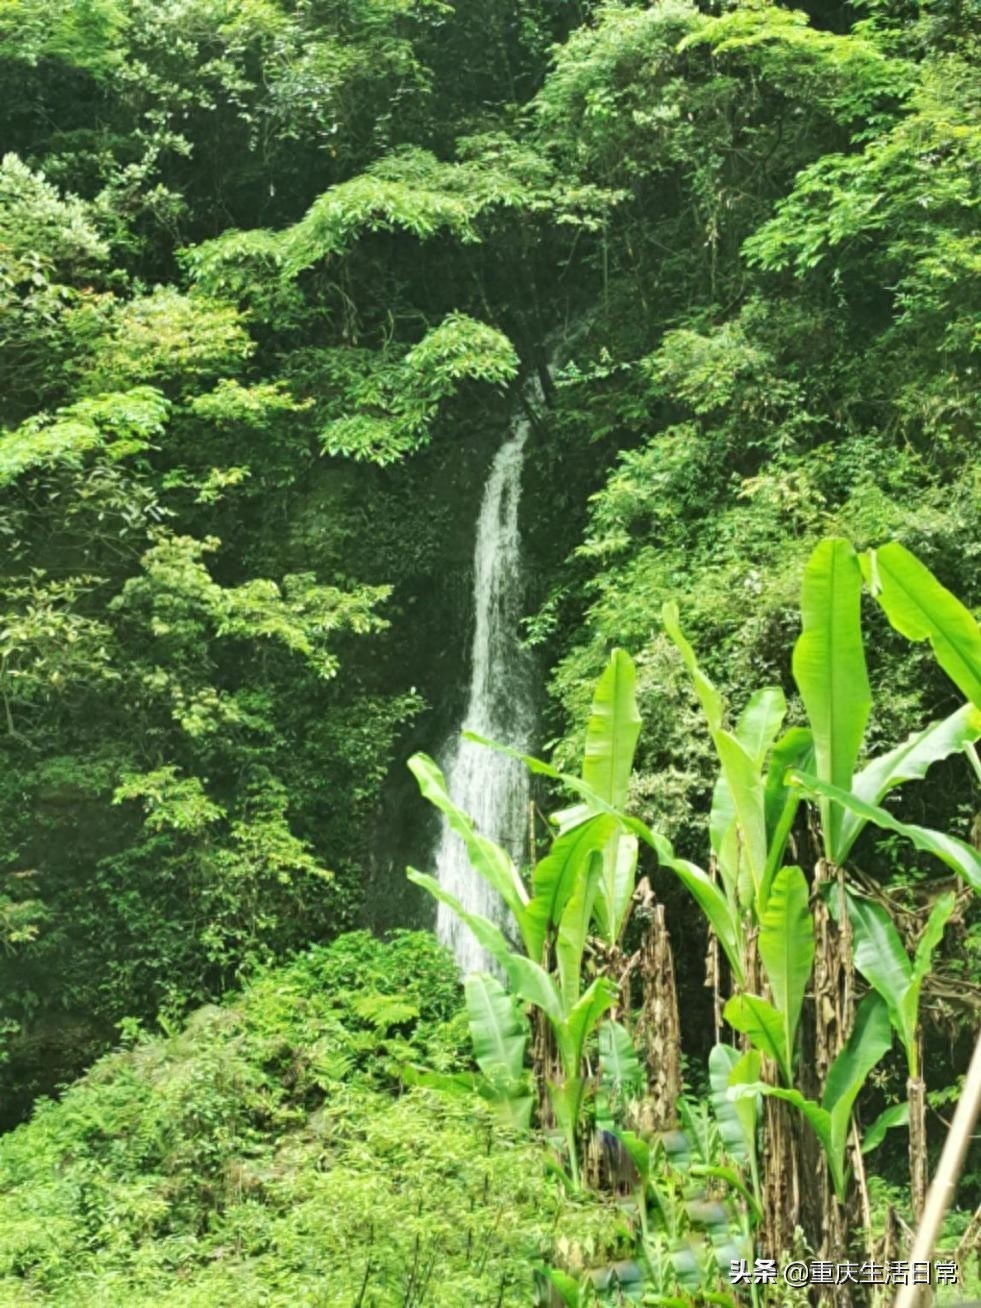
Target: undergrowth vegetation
(266, 1155)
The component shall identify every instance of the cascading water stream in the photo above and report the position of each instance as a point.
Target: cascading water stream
(490, 787)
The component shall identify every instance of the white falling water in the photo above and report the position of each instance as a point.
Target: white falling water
(490, 787)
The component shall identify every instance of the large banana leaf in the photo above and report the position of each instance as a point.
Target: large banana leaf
(738, 1119)
(620, 1069)
(574, 928)
(708, 696)
(932, 934)
(493, 863)
(499, 1031)
(756, 730)
(722, 916)
(762, 1023)
(616, 889)
(497, 1026)
(760, 721)
(869, 1041)
(894, 1115)
(829, 668)
(882, 960)
(612, 731)
(557, 875)
(742, 855)
(611, 738)
(786, 945)
(530, 981)
(746, 790)
(571, 1034)
(582, 1020)
(921, 609)
(957, 854)
(490, 937)
(780, 801)
(908, 762)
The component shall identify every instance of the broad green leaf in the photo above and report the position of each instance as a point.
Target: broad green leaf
(920, 608)
(565, 819)
(755, 731)
(737, 1118)
(620, 1069)
(640, 1154)
(746, 790)
(760, 1021)
(829, 668)
(556, 876)
(616, 889)
(611, 738)
(583, 1018)
(786, 945)
(493, 863)
(448, 1083)
(820, 1120)
(957, 854)
(743, 858)
(868, 1042)
(897, 1115)
(760, 721)
(566, 1098)
(708, 696)
(490, 937)
(882, 960)
(498, 1028)
(907, 762)
(530, 981)
(574, 928)
(612, 731)
(780, 801)
(830, 1119)
(722, 917)
(499, 1031)
(932, 934)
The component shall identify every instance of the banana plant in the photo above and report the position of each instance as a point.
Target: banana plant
(885, 965)
(830, 1119)
(752, 811)
(829, 668)
(920, 608)
(586, 877)
(898, 980)
(786, 945)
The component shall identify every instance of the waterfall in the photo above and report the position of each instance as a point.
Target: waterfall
(490, 787)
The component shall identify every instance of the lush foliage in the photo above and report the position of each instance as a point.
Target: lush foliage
(273, 279)
(263, 1155)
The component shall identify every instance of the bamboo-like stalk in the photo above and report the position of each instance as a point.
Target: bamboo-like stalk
(947, 1175)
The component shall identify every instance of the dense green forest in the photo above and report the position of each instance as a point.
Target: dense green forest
(278, 278)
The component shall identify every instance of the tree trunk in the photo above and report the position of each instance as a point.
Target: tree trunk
(659, 1026)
